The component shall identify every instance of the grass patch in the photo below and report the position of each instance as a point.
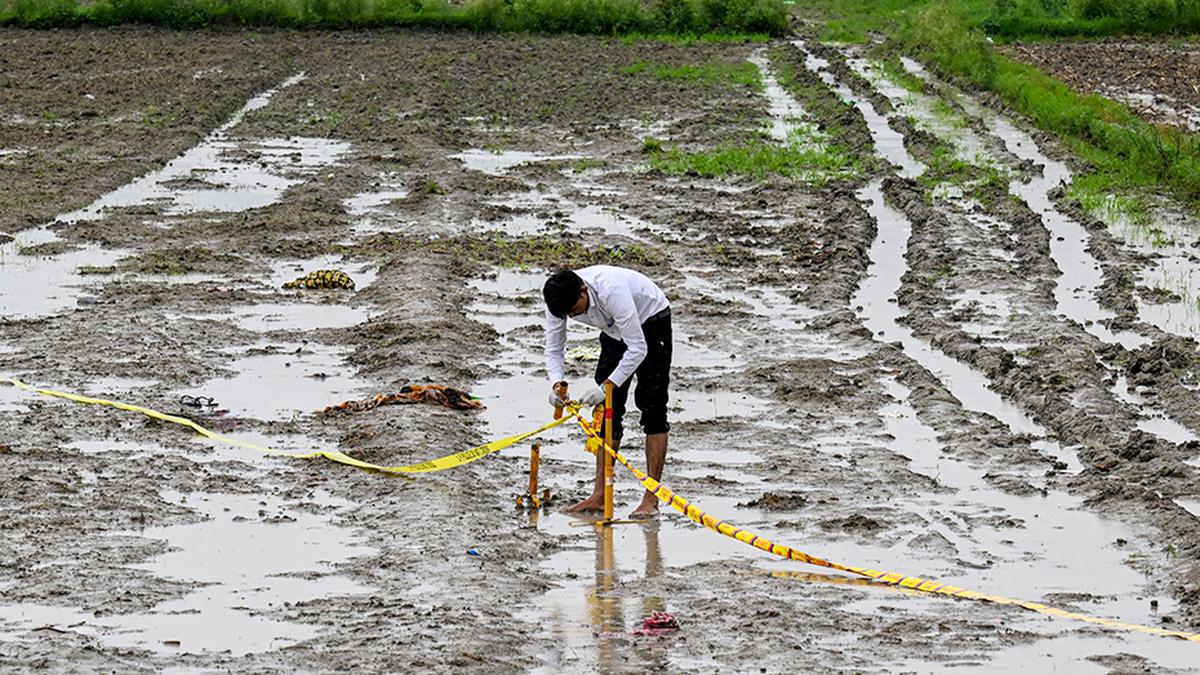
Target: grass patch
(758, 159)
(1091, 18)
(592, 17)
(981, 179)
(1091, 191)
(745, 73)
(1124, 152)
(176, 261)
(895, 71)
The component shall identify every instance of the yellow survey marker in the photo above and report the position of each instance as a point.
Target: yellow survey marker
(694, 512)
(439, 464)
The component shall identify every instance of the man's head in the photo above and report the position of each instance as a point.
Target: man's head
(565, 294)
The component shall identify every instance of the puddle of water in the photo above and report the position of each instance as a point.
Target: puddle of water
(788, 119)
(251, 550)
(498, 162)
(365, 203)
(103, 446)
(37, 286)
(296, 316)
(254, 553)
(1076, 289)
(880, 314)
(690, 405)
(1153, 420)
(1192, 506)
(15, 400)
(946, 124)
(1170, 245)
(372, 210)
(1058, 533)
(1163, 107)
(298, 380)
(223, 175)
(568, 216)
(590, 623)
(889, 143)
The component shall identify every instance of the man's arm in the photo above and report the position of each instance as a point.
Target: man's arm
(620, 304)
(556, 344)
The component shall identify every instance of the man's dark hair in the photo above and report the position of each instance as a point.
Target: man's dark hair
(562, 292)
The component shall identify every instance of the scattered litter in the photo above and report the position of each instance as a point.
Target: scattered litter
(584, 354)
(447, 397)
(473, 551)
(658, 623)
(322, 279)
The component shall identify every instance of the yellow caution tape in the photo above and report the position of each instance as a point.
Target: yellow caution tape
(439, 464)
(662, 492)
(694, 512)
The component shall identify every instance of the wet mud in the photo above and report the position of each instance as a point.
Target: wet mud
(877, 369)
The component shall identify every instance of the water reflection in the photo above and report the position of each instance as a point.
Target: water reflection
(608, 609)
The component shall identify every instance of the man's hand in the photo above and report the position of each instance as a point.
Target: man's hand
(556, 400)
(593, 397)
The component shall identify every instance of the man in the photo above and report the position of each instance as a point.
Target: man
(634, 319)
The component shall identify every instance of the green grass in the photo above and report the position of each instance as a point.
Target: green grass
(1091, 18)
(981, 179)
(593, 17)
(744, 73)
(894, 71)
(855, 20)
(1125, 153)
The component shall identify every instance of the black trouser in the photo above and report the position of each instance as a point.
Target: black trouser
(653, 375)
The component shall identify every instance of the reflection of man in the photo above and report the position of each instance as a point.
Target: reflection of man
(634, 319)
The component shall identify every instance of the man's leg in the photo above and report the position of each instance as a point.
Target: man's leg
(651, 397)
(656, 458)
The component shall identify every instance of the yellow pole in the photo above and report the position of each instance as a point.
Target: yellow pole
(535, 458)
(608, 459)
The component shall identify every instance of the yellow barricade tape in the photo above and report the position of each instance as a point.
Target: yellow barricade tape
(694, 513)
(439, 464)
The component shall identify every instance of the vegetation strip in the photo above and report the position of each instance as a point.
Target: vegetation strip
(1123, 151)
(597, 17)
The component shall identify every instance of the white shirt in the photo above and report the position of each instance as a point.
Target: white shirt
(619, 302)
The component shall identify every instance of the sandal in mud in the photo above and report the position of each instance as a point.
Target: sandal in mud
(197, 401)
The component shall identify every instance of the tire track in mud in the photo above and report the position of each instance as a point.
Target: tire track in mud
(981, 357)
(1018, 422)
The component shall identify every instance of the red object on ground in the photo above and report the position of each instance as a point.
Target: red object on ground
(658, 623)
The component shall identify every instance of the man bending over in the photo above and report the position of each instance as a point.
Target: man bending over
(634, 319)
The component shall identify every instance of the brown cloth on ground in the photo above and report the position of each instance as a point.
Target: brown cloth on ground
(447, 397)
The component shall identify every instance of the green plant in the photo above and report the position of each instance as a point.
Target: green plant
(651, 145)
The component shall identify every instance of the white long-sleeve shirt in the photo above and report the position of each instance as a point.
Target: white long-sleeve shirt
(619, 302)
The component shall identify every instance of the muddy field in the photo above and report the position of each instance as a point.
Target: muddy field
(1159, 79)
(954, 375)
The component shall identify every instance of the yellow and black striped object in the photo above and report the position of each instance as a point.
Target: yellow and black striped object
(323, 279)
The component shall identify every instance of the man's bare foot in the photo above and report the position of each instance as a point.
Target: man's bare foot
(645, 511)
(589, 505)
